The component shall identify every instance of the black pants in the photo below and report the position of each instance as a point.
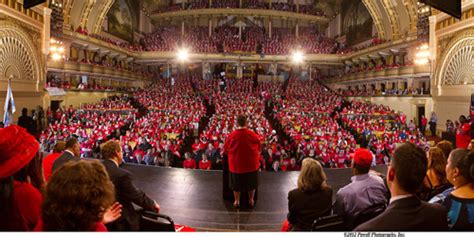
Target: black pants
(433, 129)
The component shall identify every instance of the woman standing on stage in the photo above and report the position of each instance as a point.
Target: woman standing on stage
(243, 149)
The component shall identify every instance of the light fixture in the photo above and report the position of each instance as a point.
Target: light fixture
(423, 55)
(56, 50)
(183, 55)
(56, 56)
(297, 57)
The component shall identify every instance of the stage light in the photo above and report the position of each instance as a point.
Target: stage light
(297, 57)
(61, 49)
(183, 55)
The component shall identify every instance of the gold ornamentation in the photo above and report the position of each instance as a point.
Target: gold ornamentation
(18, 53)
(456, 64)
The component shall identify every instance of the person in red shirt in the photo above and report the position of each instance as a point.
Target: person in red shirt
(48, 161)
(70, 205)
(243, 148)
(20, 180)
(424, 122)
(463, 136)
(204, 164)
(189, 162)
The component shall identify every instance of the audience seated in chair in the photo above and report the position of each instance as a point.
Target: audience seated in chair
(366, 189)
(126, 192)
(312, 198)
(79, 197)
(459, 200)
(21, 180)
(405, 211)
(435, 181)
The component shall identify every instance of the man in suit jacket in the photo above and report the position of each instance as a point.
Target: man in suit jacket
(72, 153)
(125, 191)
(26, 122)
(405, 211)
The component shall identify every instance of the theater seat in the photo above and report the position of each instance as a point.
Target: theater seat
(368, 214)
(329, 223)
(151, 221)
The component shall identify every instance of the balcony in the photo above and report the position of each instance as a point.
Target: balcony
(387, 73)
(239, 11)
(71, 67)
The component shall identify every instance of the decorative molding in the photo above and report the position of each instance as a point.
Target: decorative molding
(67, 7)
(86, 12)
(242, 12)
(450, 21)
(455, 67)
(392, 17)
(19, 53)
(107, 4)
(369, 4)
(410, 5)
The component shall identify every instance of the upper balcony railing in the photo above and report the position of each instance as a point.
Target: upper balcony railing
(382, 73)
(18, 8)
(205, 4)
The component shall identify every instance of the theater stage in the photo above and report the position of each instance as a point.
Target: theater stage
(194, 197)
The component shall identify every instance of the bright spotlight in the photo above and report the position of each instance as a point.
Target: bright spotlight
(297, 57)
(183, 55)
(56, 56)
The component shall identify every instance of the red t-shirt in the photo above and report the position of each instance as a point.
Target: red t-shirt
(189, 164)
(48, 164)
(243, 149)
(463, 136)
(98, 227)
(25, 210)
(204, 165)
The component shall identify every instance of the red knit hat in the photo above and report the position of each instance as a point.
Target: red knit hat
(17, 148)
(362, 157)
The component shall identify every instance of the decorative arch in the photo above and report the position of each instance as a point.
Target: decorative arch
(393, 18)
(376, 17)
(410, 5)
(86, 12)
(18, 54)
(102, 14)
(456, 66)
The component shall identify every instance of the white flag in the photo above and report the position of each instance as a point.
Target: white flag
(9, 108)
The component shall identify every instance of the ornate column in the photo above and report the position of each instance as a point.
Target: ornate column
(46, 30)
(182, 28)
(210, 27)
(270, 27)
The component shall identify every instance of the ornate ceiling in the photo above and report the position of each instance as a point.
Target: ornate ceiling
(393, 19)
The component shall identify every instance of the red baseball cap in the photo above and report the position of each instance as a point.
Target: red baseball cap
(362, 157)
(17, 149)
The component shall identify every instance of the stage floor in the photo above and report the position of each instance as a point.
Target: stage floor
(194, 197)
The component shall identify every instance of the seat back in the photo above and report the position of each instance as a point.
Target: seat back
(368, 214)
(329, 223)
(151, 221)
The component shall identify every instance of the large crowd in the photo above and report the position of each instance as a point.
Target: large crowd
(227, 38)
(307, 9)
(295, 119)
(301, 124)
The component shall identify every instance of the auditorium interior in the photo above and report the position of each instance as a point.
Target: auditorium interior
(174, 91)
